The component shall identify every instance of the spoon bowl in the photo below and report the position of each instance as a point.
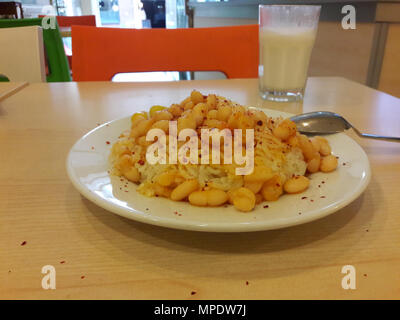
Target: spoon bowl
(324, 122)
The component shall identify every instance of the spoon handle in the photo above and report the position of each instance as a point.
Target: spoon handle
(374, 136)
(377, 137)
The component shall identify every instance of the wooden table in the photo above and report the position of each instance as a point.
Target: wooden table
(7, 89)
(96, 254)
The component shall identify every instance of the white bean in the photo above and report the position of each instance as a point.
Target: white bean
(244, 200)
(296, 184)
(328, 163)
(272, 189)
(184, 189)
(314, 164)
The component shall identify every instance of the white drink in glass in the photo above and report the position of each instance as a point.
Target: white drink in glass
(287, 35)
(285, 55)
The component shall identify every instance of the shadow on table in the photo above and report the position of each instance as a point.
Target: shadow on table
(2, 111)
(201, 254)
(245, 242)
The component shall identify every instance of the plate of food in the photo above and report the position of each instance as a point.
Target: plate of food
(210, 164)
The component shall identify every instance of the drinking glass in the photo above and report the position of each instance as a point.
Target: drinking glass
(287, 36)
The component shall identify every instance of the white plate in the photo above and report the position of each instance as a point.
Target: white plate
(87, 166)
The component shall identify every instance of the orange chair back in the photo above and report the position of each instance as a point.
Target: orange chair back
(100, 53)
(65, 21)
(68, 21)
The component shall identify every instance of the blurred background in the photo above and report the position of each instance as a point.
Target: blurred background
(369, 54)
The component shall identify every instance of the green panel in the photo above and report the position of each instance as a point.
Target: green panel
(4, 78)
(57, 60)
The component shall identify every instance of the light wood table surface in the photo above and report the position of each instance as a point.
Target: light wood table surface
(7, 89)
(45, 221)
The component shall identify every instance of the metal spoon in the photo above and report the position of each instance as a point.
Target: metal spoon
(323, 122)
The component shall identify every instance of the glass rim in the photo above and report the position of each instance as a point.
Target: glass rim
(290, 6)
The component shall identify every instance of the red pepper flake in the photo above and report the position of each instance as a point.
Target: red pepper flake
(126, 191)
(193, 293)
(266, 206)
(108, 142)
(319, 186)
(344, 163)
(141, 162)
(312, 200)
(247, 283)
(365, 274)
(82, 277)
(367, 230)
(23, 243)
(323, 197)
(92, 148)
(62, 262)
(322, 182)
(302, 198)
